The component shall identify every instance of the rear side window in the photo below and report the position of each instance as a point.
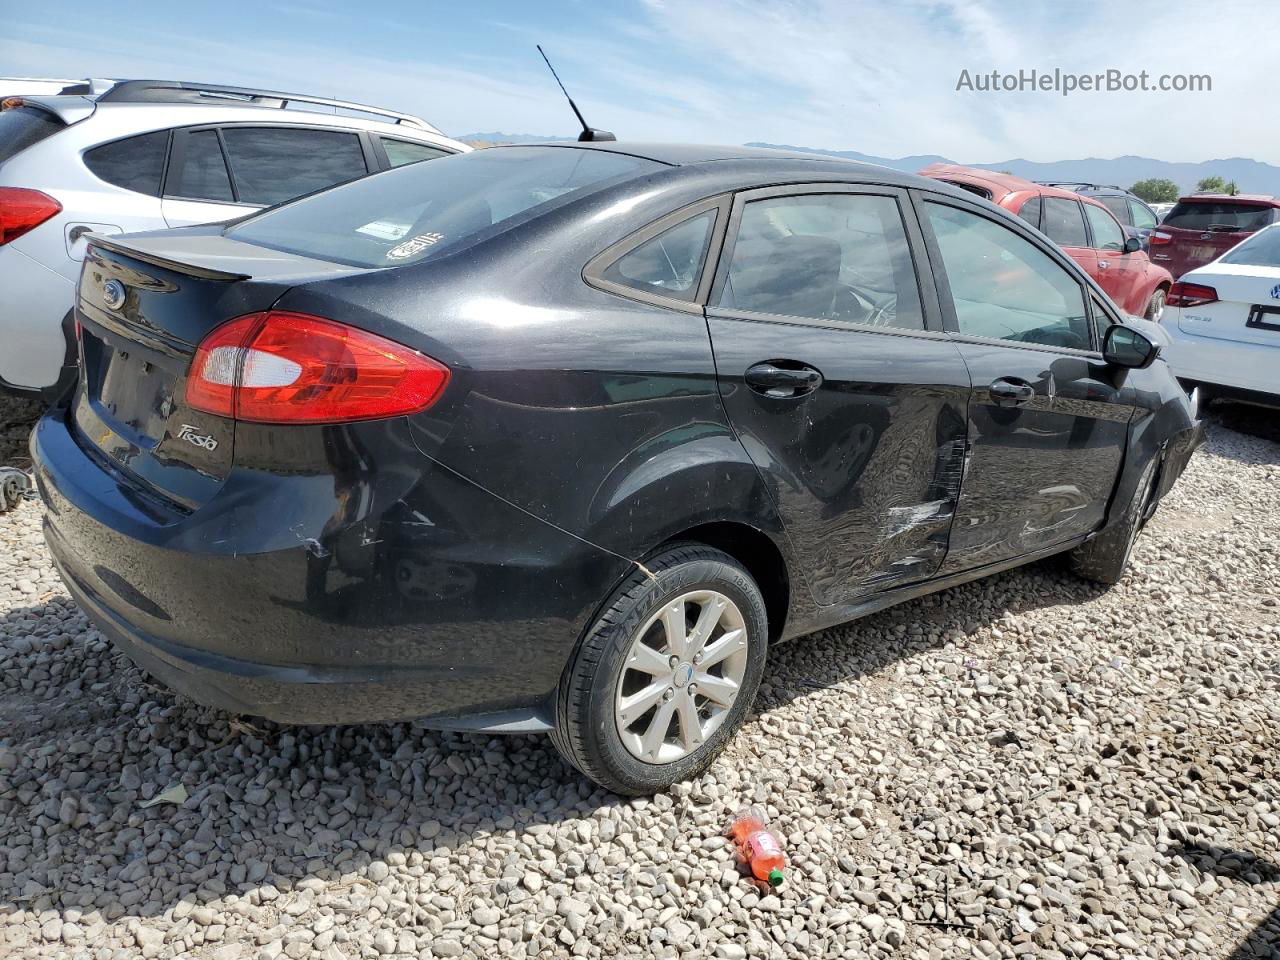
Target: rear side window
(271, 165)
(204, 172)
(669, 264)
(1219, 215)
(1003, 287)
(1117, 205)
(400, 152)
(1063, 222)
(833, 256)
(1107, 234)
(1143, 218)
(421, 209)
(20, 127)
(1030, 211)
(136, 163)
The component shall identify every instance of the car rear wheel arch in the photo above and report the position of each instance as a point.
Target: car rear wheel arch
(759, 555)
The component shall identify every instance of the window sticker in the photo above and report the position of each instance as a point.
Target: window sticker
(414, 245)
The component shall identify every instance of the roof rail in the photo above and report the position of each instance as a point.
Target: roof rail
(1068, 184)
(169, 91)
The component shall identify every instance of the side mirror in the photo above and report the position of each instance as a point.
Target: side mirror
(1126, 347)
(1132, 245)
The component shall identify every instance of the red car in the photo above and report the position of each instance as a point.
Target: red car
(1082, 226)
(1201, 228)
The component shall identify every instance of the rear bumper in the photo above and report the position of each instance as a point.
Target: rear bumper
(446, 605)
(1223, 363)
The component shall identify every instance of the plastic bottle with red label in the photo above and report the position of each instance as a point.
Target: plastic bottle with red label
(757, 846)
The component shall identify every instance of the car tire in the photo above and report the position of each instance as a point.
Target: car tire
(1104, 558)
(1155, 306)
(609, 677)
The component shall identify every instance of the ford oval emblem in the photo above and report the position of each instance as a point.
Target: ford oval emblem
(113, 294)
(1275, 292)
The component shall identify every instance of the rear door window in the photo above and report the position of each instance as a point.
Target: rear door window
(273, 164)
(1107, 234)
(1219, 215)
(669, 264)
(1004, 287)
(203, 175)
(1117, 205)
(20, 127)
(839, 256)
(1064, 222)
(400, 152)
(135, 163)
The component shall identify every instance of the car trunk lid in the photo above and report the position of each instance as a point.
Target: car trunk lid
(1247, 309)
(144, 303)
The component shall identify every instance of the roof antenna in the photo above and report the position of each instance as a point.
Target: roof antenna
(588, 134)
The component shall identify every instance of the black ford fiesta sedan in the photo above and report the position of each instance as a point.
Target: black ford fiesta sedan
(560, 438)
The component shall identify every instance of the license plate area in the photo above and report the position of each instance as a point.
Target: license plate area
(1262, 317)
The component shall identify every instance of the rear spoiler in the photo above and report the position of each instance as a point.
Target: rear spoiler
(140, 249)
(68, 109)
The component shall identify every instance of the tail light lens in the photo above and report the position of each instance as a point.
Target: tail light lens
(22, 210)
(1190, 295)
(1159, 238)
(280, 367)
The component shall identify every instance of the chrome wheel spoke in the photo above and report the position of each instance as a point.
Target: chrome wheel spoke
(648, 660)
(673, 621)
(707, 620)
(690, 722)
(656, 734)
(632, 708)
(718, 690)
(724, 646)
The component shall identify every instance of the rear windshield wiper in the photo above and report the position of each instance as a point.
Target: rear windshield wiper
(1223, 227)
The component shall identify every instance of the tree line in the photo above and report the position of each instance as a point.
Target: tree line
(1161, 190)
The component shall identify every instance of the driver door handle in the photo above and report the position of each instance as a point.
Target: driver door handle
(1011, 392)
(783, 379)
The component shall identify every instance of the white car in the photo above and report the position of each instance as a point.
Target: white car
(138, 155)
(1223, 321)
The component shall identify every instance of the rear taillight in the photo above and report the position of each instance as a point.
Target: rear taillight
(1159, 238)
(22, 210)
(279, 367)
(1190, 295)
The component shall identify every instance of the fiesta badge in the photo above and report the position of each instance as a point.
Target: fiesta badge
(113, 294)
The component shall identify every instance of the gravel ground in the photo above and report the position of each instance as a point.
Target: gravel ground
(1024, 766)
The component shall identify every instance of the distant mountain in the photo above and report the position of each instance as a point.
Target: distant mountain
(1252, 176)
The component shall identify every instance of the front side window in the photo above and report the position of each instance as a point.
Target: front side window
(1064, 223)
(400, 152)
(135, 163)
(1107, 234)
(1101, 318)
(271, 165)
(204, 173)
(1143, 218)
(841, 257)
(669, 264)
(1003, 287)
(420, 210)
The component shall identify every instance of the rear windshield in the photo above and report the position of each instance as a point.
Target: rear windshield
(20, 127)
(1260, 250)
(421, 209)
(1219, 215)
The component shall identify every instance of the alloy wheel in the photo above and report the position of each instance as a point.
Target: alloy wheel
(681, 676)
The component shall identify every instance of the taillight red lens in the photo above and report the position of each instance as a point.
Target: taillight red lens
(1190, 295)
(22, 210)
(280, 367)
(1159, 238)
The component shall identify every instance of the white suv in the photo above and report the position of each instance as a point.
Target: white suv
(143, 155)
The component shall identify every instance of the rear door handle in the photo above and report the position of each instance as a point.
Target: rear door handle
(1011, 392)
(783, 379)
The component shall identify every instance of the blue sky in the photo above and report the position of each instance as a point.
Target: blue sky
(878, 76)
